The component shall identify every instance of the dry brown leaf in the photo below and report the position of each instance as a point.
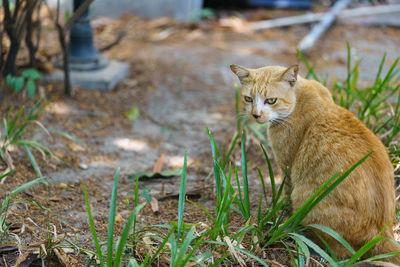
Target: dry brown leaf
(158, 166)
(62, 257)
(382, 263)
(236, 24)
(75, 147)
(154, 205)
(234, 252)
(26, 259)
(190, 264)
(161, 22)
(38, 197)
(68, 250)
(9, 162)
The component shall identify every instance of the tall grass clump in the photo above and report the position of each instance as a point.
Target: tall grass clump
(265, 223)
(181, 238)
(13, 132)
(274, 225)
(8, 202)
(111, 259)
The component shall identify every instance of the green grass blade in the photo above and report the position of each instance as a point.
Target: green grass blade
(264, 189)
(217, 177)
(254, 257)
(326, 245)
(308, 66)
(259, 209)
(174, 249)
(14, 122)
(321, 193)
(303, 247)
(381, 256)
(111, 218)
(348, 65)
(214, 148)
(185, 245)
(317, 249)
(132, 263)
(292, 257)
(280, 190)
(203, 209)
(275, 210)
(136, 200)
(5, 126)
(92, 227)
(222, 210)
(271, 174)
(220, 260)
(68, 136)
(6, 174)
(125, 234)
(182, 196)
(199, 258)
(33, 161)
(263, 263)
(255, 129)
(333, 234)
(228, 155)
(10, 111)
(363, 250)
(25, 186)
(378, 74)
(162, 245)
(239, 197)
(388, 75)
(245, 180)
(242, 231)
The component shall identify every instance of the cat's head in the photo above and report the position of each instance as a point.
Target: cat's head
(267, 93)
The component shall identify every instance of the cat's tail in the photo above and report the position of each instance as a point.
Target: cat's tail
(387, 246)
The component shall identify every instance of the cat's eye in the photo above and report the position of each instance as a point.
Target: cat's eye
(248, 99)
(270, 101)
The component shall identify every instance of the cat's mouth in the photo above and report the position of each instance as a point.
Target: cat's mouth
(261, 120)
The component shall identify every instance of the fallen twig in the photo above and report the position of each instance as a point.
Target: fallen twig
(117, 40)
(326, 21)
(314, 17)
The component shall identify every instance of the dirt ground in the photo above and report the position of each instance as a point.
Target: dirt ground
(181, 83)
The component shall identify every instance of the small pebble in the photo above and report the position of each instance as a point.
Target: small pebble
(118, 218)
(83, 166)
(62, 186)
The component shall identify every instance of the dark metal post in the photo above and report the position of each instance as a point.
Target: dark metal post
(82, 53)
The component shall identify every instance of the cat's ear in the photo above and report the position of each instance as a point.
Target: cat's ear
(241, 72)
(290, 74)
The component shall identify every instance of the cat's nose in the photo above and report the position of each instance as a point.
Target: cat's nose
(256, 116)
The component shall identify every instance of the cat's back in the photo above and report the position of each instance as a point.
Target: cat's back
(337, 136)
(333, 140)
(314, 90)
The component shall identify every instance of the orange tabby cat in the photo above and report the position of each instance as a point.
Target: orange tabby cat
(312, 139)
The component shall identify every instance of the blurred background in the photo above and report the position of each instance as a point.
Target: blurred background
(133, 84)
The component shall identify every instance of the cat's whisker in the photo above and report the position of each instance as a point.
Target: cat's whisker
(282, 122)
